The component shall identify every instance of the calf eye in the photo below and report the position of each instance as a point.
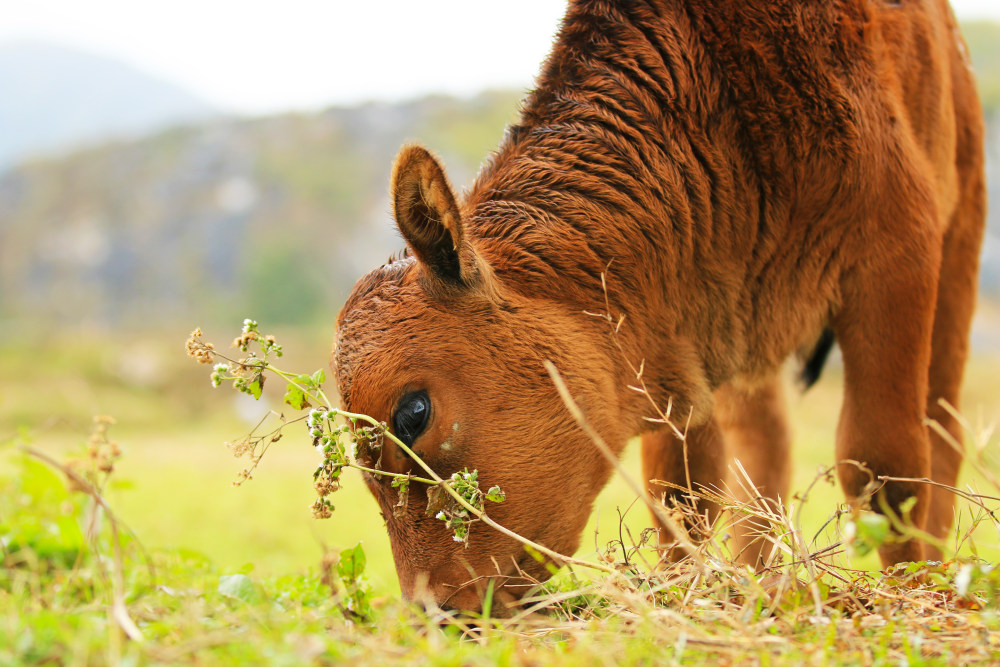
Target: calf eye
(410, 418)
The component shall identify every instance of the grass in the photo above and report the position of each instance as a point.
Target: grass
(172, 488)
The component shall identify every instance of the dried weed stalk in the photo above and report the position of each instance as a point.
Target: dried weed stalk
(88, 474)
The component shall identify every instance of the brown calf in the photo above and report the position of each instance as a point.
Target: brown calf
(752, 173)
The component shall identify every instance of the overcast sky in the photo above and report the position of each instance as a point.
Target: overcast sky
(304, 54)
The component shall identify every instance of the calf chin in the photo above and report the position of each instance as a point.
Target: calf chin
(433, 568)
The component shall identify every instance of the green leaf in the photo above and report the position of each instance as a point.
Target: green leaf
(295, 397)
(305, 380)
(33, 514)
(496, 495)
(437, 499)
(534, 553)
(488, 599)
(237, 586)
(352, 564)
(256, 386)
(871, 530)
(873, 526)
(318, 378)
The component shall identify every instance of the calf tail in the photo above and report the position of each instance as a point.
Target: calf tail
(814, 360)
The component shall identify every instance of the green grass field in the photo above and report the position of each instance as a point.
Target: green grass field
(173, 488)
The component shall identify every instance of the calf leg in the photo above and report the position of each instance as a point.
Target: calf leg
(663, 459)
(884, 330)
(756, 433)
(949, 344)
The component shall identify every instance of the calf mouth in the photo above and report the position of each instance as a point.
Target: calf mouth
(507, 590)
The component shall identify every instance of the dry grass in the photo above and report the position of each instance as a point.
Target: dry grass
(803, 605)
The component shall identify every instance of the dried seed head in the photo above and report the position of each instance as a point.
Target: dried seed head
(321, 509)
(239, 448)
(202, 352)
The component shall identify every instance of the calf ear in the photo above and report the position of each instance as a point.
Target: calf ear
(428, 217)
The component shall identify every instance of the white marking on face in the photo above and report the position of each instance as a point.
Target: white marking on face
(447, 445)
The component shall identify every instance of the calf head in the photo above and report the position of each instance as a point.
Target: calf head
(438, 347)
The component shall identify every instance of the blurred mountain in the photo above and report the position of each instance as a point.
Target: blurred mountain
(55, 97)
(272, 218)
(983, 40)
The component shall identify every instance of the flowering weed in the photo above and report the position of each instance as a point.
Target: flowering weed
(343, 439)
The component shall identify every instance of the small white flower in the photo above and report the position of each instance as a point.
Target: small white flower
(440, 516)
(457, 538)
(850, 531)
(963, 579)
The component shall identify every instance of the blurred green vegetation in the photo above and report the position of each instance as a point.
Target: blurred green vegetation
(285, 282)
(280, 214)
(38, 515)
(983, 40)
(174, 479)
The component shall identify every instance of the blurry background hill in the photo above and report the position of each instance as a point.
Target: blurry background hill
(277, 216)
(56, 97)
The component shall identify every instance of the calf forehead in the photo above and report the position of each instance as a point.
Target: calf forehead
(371, 301)
(388, 320)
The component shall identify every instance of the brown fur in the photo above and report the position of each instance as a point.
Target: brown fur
(751, 172)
